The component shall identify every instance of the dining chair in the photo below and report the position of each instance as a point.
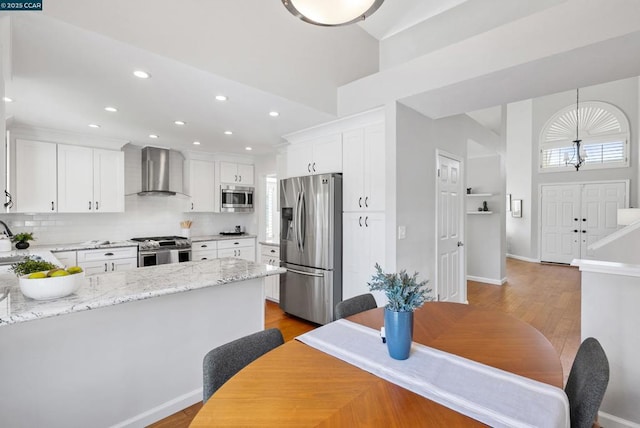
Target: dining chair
(221, 363)
(354, 305)
(587, 383)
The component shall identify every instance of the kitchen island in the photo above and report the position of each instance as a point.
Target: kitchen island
(126, 349)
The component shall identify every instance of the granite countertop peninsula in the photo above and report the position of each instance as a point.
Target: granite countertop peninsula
(121, 287)
(220, 237)
(88, 245)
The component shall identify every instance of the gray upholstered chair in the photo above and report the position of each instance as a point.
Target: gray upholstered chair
(221, 363)
(354, 305)
(587, 383)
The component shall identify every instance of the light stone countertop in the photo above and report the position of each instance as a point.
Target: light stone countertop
(89, 245)
(221, 237)
(138, 284)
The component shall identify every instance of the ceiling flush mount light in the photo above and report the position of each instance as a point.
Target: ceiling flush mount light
(228, 133)
(196, 143)
(331, 13)
(274, 114)
(248, 148)
(154, 136)
(93, 125)
(111, 109)
(7, 99)
(221, 97)
(579, 154)
(141, 74)
(180, 122)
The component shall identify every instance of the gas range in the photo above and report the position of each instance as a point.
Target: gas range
(163, 243)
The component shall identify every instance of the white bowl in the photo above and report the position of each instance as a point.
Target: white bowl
(50, 288)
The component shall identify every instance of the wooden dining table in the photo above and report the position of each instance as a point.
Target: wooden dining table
(297, 385)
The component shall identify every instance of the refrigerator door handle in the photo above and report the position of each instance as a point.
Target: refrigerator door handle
(317, 275)
(296, 222)
(303, 225)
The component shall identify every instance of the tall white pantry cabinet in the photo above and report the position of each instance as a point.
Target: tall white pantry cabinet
(354, 146)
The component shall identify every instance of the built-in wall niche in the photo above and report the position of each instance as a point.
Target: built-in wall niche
(480, 203)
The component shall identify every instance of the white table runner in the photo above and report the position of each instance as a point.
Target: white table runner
(489, 395)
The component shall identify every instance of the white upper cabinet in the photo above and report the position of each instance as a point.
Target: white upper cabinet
(35, 177)
(363, 152)
(201, 185)
(320, 155)
(236, 173)
(90, 180)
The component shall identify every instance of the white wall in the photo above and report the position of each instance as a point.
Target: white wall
(519, 169)
(484, 244)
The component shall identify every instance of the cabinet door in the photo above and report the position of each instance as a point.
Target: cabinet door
(326, 154)
(75, 179)
(374, 168)
(299, 160)
(204, 255)
(96, 267)
(245, 174)
(353, 170)
(269, 284)
(35, 177)
(121, 265)
(245, 253)
(228, 173)
(201, 185)
(108, 180)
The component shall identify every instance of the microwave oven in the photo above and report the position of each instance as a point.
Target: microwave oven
(236, 199)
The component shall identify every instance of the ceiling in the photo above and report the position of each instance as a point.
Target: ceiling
(64, 65)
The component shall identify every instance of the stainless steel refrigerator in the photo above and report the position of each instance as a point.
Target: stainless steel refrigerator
(311, 246)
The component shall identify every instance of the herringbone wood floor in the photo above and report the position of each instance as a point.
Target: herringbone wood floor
(545, 296)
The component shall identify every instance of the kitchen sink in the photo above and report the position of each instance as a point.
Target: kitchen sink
(4, 261)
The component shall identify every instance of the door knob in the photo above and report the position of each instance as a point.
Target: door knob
(460, 244)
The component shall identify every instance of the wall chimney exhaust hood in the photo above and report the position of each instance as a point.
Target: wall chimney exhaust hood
(156, 172)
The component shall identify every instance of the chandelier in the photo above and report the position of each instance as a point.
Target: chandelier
(579, 154)
(331, 13)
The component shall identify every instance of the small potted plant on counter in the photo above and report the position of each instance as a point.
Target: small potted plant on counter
(22, 240)
(405, 294)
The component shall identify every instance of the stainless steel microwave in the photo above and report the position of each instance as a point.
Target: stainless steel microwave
(236, 199)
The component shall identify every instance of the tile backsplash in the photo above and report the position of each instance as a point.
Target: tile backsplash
(143, 216)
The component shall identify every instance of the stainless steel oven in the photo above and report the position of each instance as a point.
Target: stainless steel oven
(163, 250)
(236, 199)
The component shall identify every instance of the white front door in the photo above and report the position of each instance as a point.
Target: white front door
(449, 285)
(574, 216)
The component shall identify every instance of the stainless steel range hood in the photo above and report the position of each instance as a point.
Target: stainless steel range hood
(156, 172)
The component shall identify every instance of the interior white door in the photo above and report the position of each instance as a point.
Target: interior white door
(574, 216)
(449, 283)
(560, 234)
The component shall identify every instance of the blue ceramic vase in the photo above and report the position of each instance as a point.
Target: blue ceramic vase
(398, 327)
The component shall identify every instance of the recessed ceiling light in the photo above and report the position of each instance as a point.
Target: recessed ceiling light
(141, 74)
(196, 143)
(93, 125)
(154, 136)
(248, 148)
(180, 122)
(221, 98)
(274, 114)
(228, 133)
(7, 99)
(111, 109)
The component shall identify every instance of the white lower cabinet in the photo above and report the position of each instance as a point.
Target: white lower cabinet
(243, 248)
(204, 250)
(108, 260)
(271, 255)
(363, 244)
(67, 258)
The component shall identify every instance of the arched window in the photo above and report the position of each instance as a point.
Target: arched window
(603, 129)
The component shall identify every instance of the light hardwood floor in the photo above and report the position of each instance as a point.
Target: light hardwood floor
(545, 296)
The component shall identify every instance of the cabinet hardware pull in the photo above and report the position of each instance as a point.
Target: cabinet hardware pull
(113, 267)
(575, 219)
(236, 243)
(273, 251)
(309, 167)
(236, 178)
(192, 205)
(584, 219)
(52, 206)
(89, 205)
(105, 267)
(584, 231)
(360, 201)
(96, 205)
(204, 258)
(575, 230)
(108, 254)
(366, 221)
(240, 180)
(360, 221)
(314, 167)
(366, 202)
(203, 246)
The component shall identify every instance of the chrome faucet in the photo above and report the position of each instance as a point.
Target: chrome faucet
(7, 231)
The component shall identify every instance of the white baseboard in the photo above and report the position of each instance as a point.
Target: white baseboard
(524, 259)
(162, 411)
(486, 280)
(611, 421)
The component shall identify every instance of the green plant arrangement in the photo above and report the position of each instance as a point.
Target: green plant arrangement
(23, 237)
(404, 292)
(29, 265)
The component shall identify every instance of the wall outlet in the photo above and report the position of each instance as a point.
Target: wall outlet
(402, 232)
